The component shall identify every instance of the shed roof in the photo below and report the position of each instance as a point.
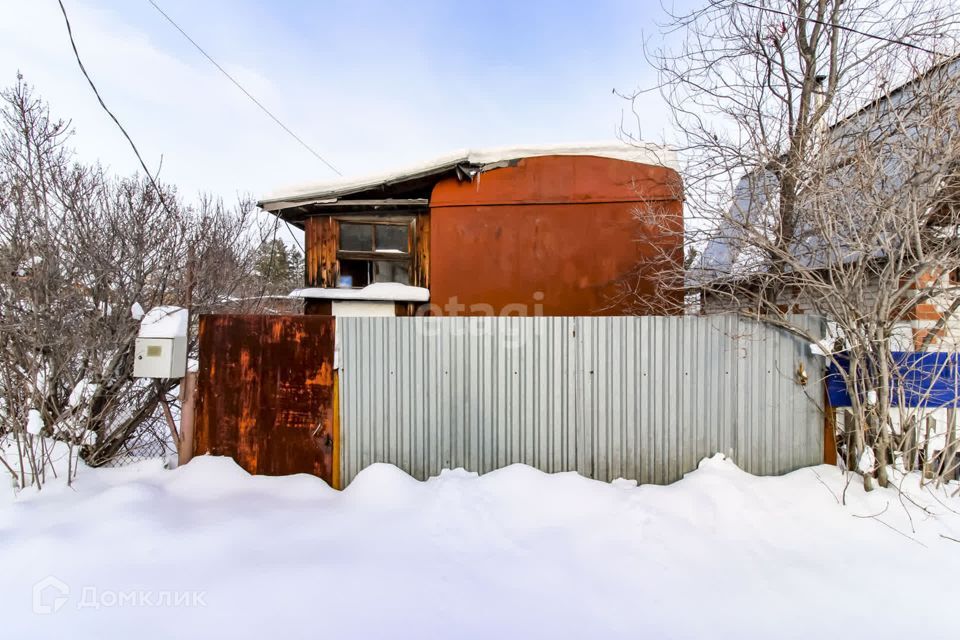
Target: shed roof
(412, 180)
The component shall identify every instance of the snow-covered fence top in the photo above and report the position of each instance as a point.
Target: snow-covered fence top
(642, 398)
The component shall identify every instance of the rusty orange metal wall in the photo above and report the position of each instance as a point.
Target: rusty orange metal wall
(558, 231)
(829, 429)
(265, 393)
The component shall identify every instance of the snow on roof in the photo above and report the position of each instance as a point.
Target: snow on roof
(164, 322)
(640, 153)
(388, 291)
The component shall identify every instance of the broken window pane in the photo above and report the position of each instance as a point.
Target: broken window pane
(357, 271)
(356, 237)
(392, 237)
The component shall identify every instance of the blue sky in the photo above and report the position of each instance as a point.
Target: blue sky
(370, 85)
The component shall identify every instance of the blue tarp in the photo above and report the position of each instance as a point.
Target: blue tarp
(927, 379)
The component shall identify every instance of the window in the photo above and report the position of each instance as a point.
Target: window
(375, 252)
(356, 237)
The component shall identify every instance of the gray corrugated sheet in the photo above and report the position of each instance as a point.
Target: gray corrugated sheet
(643, 398)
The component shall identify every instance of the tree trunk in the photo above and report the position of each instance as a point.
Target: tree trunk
(882, 449)
(859, 449)
(950, 450)
(849, 433)
(909, 444)
(926, 457)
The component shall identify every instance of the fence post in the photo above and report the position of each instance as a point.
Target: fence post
(848, 436)
(909, 446)
(187, 396)
(949, 452)
(829, 430)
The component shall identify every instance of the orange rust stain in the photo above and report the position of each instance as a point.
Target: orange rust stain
(555, 236)
(829, 432)
(265, 393)
(562, 179)
(324, 375)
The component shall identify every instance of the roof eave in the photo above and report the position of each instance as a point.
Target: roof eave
(318, 197)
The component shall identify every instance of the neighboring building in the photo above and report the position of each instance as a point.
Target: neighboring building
(526, 231)
(888, 119)
(867, 166)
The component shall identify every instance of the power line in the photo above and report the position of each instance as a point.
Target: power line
(245, 92)
(842, 28)
(83, 69)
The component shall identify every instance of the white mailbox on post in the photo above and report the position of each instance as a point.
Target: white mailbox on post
(161, 348)
(160, 358)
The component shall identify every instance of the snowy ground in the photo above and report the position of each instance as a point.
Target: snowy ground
(207, 551)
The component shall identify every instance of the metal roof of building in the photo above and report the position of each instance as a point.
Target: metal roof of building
(466, 160)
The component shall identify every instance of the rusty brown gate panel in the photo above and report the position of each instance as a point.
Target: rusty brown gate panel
(265, 393)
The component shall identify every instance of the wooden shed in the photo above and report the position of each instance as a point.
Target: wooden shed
(525, 231)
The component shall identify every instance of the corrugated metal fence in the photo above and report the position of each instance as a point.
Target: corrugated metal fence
(643, 398)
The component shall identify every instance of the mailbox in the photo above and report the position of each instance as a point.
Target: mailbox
(160, 357)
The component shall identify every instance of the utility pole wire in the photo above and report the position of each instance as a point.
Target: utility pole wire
(841, 27)
(245, 92)
(83, 69)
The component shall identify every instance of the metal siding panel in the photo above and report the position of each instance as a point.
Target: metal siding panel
(648, 407)
(639, 397)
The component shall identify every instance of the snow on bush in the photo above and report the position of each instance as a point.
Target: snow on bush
(34, 422)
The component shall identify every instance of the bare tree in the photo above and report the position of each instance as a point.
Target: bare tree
(79, 250)
(820, 147)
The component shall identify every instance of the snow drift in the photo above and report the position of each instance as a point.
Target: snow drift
(514, 553)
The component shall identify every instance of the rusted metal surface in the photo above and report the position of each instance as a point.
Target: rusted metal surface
(421, 258)
(265, 393)
(558, 231)
(829, 431)
(337, 482)
(561, 180)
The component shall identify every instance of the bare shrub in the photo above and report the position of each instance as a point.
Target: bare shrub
(79, 249)
(820, 145)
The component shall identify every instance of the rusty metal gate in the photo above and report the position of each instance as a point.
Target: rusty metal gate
(265, 393)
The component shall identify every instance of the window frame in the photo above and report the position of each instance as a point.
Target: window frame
(408, 220)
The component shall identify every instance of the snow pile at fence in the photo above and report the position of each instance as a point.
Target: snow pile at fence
(209, 551)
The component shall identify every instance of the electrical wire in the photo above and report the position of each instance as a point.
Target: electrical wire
(110, 113)
(245, 92)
